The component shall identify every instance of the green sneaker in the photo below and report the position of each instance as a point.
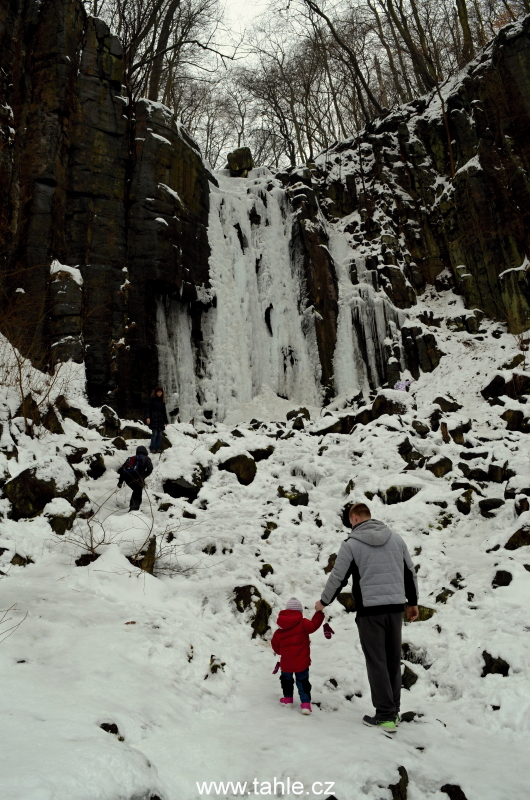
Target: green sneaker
(397, 720)
(388, 726)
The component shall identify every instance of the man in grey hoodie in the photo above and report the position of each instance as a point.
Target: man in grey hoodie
(383, 582)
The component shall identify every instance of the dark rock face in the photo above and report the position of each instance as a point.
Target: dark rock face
(469, 229)
(75, 191)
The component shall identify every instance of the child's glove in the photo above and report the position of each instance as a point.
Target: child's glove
(328, 630)
(276, 668)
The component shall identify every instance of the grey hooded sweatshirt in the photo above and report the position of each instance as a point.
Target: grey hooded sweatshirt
(382, 572)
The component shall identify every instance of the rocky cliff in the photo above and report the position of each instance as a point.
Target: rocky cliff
(438, 191)
(121, 192)
(89, 181)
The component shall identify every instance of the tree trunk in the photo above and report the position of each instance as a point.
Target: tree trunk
(468, 51)
(161, 45)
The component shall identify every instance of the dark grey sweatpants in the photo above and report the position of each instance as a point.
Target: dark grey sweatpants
(380, 637)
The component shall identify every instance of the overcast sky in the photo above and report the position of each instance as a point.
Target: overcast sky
(242, 12)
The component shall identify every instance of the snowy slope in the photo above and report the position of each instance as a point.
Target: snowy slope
(109, 643)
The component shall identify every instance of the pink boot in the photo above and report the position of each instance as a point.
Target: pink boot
(306, 708)
(286, 702)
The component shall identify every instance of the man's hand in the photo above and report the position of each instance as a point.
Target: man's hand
(413, 613)
(148, 421)
(319, 606)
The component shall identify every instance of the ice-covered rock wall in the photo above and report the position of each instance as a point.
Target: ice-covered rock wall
(257, 327)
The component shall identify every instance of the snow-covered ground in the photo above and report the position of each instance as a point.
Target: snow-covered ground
(109, 643)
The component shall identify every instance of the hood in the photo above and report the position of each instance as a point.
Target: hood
(372, 532)
(288, 619)
(141, 450)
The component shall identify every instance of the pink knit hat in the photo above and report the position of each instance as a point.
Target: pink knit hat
(294, 605)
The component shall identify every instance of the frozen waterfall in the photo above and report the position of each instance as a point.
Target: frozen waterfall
(255, 333)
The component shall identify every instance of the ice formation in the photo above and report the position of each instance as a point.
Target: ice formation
(257, 331)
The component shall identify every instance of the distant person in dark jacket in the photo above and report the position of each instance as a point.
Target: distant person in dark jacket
(134, 472)
(383, 581)
(157, 418)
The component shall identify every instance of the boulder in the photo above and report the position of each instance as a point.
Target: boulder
(240, 162)
(444, 595)
(21, 561)
(390, 401)
(421, 350)
(520, 538)
(522, 504)
(474, 473)
(68, 411)
(399, 789)
(494, 666)
(50, 421)
(33, 488)
(447, 404)
(517, 384)
(347, 600)
(242, 466)
(465, 501)
(188, 489)
(134, 432)
(420, 427)
(331, 563)
(398, 494)
(425, 613)
(119, 443)
(298, 412)
(502, 578)
(334, 427)
(439, 465)
(488, 505)
(270, 526)
(409, 454)
(249, 598)
(408, 678)
(111, 425)
(294, 496)
(266, 570)
(453, 791)
(96, 466)
(262, 453)
(74, 455)
(60, 515)
(217, 446)
(457, 429)
(29, 410)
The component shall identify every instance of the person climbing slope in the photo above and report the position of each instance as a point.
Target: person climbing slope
(291, 643)
(134, 472)
(157, 418)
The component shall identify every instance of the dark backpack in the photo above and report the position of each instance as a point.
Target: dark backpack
(134, 466)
